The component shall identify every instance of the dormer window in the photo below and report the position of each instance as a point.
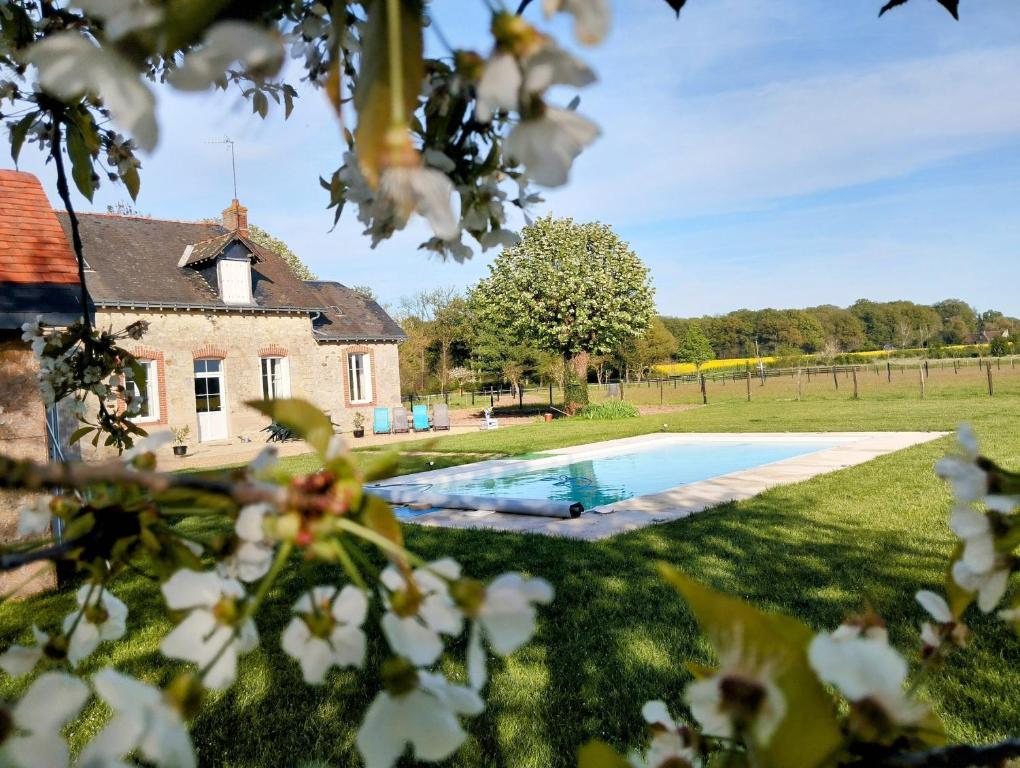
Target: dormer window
(234, 276)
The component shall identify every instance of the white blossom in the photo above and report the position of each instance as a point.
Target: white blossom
(591, 17)
(225, 43)
(547, 145)
(417, 636)
(143, 721)
(103, 616)
(51, 701)
(935, 605)
(506, 617)
(148, 444)
(19, 660)
(670, 746)
(338, 641)
(35, 517)
(254, 554)
(711, 704)
(551, 65)
(208, 631)
(121, 17)
(70, 66)
(426, 718)
(499, 87)
(424, 190)
(980, 568)
(864, 668)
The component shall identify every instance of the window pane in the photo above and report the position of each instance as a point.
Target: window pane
(213, 366)
(213, 385)
(201, 387)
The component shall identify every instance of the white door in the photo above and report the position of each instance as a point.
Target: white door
(210, 400)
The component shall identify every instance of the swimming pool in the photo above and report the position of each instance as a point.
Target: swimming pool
(608, 477)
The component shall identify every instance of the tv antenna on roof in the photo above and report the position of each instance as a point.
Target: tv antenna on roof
(233, 162)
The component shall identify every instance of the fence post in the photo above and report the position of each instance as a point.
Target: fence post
(956, 367)
(988, 368)
(835, 379)
(472, 398)
(704, 392)
(660, 391)
(492, 400)
(920, 374)
(998, 363)
(446, 397)
(520, 397)
(798, 385)
(749, 384)
(888, 371)
(550, 395)
(854, 369)
(926, 372)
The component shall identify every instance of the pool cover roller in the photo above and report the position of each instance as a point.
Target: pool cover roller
(538, 507)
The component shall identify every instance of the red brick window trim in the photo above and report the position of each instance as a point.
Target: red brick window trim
(208, 351)
(345, 370)
(155, 356)
(272, 350)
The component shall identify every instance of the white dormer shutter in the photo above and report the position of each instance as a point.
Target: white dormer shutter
(235, 280)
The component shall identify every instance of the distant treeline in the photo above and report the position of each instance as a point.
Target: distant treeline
(831, 331)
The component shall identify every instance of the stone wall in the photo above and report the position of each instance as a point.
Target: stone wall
(23, 436)
(317, 372)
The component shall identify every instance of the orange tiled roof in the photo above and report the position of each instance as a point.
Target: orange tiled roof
(33, 248)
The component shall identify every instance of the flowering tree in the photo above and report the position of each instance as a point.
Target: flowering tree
(573, 289)
(478, 125)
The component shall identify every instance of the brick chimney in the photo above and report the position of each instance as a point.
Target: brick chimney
(235, 218)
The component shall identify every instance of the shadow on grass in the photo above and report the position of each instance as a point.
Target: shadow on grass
(616, 635)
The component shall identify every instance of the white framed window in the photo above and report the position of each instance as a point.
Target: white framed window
(359, 377)
(235, 280)
(275, 378)
(149, 394)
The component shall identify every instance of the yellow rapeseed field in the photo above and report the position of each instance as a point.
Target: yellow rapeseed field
(680, 369)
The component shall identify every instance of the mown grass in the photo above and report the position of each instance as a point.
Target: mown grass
(616, 635)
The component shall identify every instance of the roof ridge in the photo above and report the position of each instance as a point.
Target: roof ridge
(201, 222)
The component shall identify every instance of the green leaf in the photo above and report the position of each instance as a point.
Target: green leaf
(598, 754)
(132, 181)
(260, 104)
(78, 434)
(372, 95)
(82, 146)
(301, 416)
(19, 131)
(809, 733)
(382, 467)
(378, 516)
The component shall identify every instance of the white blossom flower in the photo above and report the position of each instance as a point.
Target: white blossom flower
(864, 668)
(148, 444)
(425, 717)
(499, 86)
(330, 635)
(35, 517)
(103, 617)
(121, 17)
(225, 43)
(551, 65)
(19, 660)
(981, 568)
(70, 66)
(547, 146)
(51, 701)
(424, 190)
(1011, 615)
(670, 744)
(209, 630)
(143, 721)
(254, 554)
(742, 695)
(935, 605)
(416, 635)
(591, 17)
(506, 617)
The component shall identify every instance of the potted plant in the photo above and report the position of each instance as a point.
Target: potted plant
(359, 424)
(181, 435)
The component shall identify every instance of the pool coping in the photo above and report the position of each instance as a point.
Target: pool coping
(851, 449)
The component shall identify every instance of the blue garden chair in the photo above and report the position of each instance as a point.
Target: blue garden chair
(381, 423)
(421, 418)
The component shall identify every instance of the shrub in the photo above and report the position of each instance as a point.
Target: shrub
(610, 409)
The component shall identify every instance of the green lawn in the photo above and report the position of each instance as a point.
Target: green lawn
(615, 635)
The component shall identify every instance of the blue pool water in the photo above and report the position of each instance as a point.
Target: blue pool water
(608, 479)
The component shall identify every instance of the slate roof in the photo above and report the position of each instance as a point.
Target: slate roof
(134, 262)
(350, 316)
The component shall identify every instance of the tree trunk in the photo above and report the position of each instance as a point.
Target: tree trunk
(575, 393)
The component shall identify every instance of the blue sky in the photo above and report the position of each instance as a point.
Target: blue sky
(754, 153)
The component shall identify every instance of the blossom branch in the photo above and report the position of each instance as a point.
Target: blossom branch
(957, 756)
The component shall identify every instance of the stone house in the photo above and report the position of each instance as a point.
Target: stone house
(229, 322)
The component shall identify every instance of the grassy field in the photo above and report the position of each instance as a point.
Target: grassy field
(615, 635)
